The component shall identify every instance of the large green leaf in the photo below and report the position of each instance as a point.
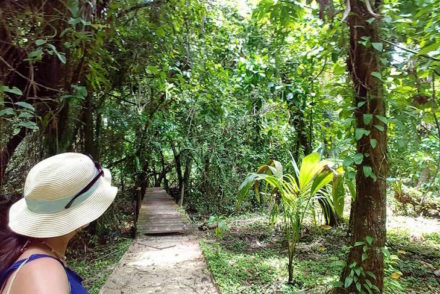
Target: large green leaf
(338, 194)
(244, 188)
(321, 180)
(295, 166)
(307, 170)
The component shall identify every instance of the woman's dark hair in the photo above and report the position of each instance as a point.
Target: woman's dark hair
(10, 242)
(11, 245)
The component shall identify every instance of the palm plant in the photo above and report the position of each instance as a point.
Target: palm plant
(291, 195)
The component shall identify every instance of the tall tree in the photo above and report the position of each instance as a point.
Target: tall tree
(365, 267)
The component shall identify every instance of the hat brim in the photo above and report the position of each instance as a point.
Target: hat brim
(25, 222)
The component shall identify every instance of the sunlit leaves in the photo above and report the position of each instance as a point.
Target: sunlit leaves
(281, 13)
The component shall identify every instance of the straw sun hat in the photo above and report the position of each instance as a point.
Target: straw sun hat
(61, 194)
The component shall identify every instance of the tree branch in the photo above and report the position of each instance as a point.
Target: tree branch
(26, 78)
(139, 6)
(410, 50)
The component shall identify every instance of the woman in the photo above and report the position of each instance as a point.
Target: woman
(62, 194)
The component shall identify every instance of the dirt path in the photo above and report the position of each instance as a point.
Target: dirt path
(171, 263)
(162, 264)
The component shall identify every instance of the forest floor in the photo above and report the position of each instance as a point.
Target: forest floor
(250, 257)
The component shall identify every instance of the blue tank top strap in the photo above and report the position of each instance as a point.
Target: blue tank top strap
(74, 279)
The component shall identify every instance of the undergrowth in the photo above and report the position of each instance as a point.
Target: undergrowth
(96, 264)
(250, 257)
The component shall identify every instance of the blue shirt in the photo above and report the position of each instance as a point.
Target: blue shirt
(74, 279)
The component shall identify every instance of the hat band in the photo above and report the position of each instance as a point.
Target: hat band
(53, 206)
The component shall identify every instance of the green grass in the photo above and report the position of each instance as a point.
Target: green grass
(97, 263)
(418, 259)
(251, 258)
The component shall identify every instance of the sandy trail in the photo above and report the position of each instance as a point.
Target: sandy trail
(161, 264)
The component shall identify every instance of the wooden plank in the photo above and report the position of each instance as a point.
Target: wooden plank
(159, 214)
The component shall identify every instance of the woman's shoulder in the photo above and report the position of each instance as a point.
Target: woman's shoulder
(41, 275)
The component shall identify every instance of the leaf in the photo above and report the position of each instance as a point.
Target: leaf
(337, 284)
(152, 70)
(37, 54)
(25, 115)
(372, 275)
(373, 143)
(368, 287)
(244, 188)
(40, 42)
(396, 275)
(338, 194)
(7, 111)
(367, 118)
(368, 172)
(359, 243)
(25, 105)
(360, 104)
(348, 282)
(351, 187)
(377, 46)
(73, 7)
(379, 127)
(13, 90)
(369, 240)
(320, 180)
(29, 125)
(60, 56)
(360, 132)
(307, 168)
(73, 21)
(382, 118)
(295, 166)
(358, 158)
(377, 75)
(339, 69)
(326, 227)
(429, 48)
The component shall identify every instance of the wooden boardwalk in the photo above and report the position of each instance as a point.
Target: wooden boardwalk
(165, 257)
(159, 214)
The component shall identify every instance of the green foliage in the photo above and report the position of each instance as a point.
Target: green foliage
(96, 267)
(220, 225)
(225, 86)
(291, 195)
(250, 259)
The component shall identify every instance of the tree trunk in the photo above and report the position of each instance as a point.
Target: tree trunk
(302, 138)
(164, 172)
(88, 125)
(369, 209)
(186, 174)
(178, 164)
(142, 180)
